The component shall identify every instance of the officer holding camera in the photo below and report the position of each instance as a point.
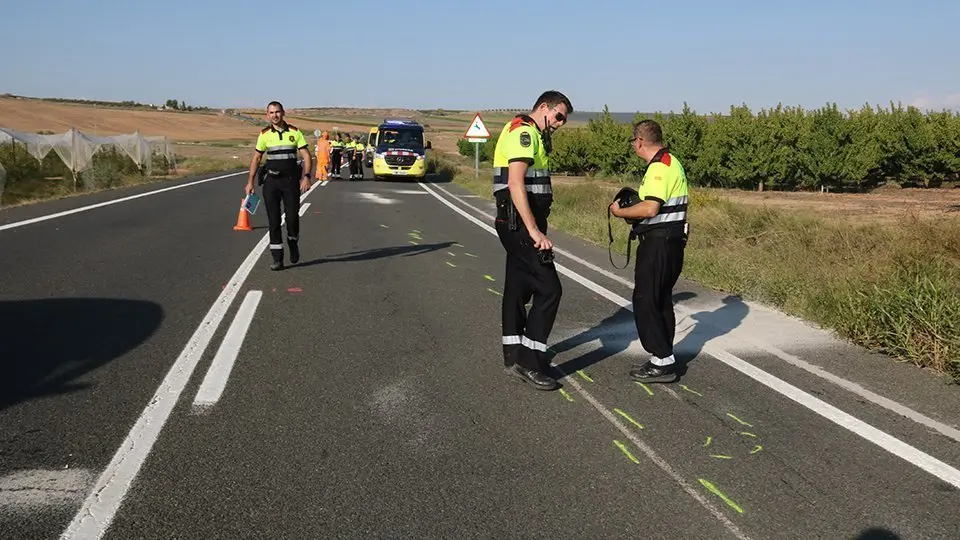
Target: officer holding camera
(660, 223)
(283, 180)
(524, 194)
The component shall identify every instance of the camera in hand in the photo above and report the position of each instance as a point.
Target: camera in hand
(545, 256)
(626, 198)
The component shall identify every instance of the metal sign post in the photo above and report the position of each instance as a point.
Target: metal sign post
(477, 133)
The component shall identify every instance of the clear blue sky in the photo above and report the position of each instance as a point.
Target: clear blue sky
(632, 56)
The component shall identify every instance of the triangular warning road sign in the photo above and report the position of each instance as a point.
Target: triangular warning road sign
(477, 129)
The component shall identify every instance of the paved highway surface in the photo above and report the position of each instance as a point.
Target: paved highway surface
(160, 382)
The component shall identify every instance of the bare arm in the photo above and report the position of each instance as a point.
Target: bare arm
(252, 173)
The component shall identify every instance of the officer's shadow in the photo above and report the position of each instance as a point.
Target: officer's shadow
(618, 332)
(379, 253)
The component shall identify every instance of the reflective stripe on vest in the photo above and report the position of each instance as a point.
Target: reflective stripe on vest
(674, 210)
(536, 180)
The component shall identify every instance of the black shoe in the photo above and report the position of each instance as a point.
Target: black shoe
(652, 373)
(276, 265)
(532, 377)
(294, 252)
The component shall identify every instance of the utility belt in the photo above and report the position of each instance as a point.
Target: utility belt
(666, 232)
(278, 172)
(507, 211)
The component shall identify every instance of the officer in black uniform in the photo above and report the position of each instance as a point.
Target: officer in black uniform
(521, 185)
(282, 178)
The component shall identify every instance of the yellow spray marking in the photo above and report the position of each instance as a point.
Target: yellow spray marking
(469, 254)
(384, 226)
(626, 451)
(756, 449)
(739, 420)
(418, 231)
(494, 292)
(459, 245)
(451, 254)
(645, 387)
(585, 376)
(713, 489)
(720, 456)
(627, 416)
(450, 264)
(565, 394)
(709, 440)
(748, 434)
(414, 243)
(489, 278)
(691, 391)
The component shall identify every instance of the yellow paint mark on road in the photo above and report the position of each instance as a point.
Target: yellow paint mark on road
(459, 245)
(494, 292)
(748, 434)
(756, 449)
(565, 394)
(645, 387)
(623, 448)
(627, 416)
(584, 376)
(451, 254)
(720, 456)
(709, 440)
(450, 264)
(418, 231)
(713, 489)
(685, 387)
(469, 254)
(739, 420)
(384, 226)
(489, 278)
(414, 243)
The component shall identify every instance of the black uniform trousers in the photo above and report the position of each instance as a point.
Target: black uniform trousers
(356, 164)
(336, 157)
(285, 189)
(659, 262)
(525, 334)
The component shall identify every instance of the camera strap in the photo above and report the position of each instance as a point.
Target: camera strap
(630, 238)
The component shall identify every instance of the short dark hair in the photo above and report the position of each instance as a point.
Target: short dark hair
(276, 104)
(648, 130)
(553, 98)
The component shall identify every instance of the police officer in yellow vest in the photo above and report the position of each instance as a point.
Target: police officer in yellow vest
(521, 185)
(336, 155)
(662, 229)
(283, 180)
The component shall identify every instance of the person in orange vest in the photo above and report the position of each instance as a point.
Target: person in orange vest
(323, 155)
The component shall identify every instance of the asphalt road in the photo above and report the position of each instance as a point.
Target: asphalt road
(366, 396)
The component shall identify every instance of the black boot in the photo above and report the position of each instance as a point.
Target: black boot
(652, 373)
(534, 378)
(294, 251)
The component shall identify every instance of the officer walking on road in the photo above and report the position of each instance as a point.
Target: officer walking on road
(521, 185)
(282, 178)
(662, 230)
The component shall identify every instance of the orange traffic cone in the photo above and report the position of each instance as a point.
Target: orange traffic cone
(243, 220)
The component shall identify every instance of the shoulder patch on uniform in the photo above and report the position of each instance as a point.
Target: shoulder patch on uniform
(525, 139)
(264, 130)
(665, 159)
(520, 121)
(292, 127)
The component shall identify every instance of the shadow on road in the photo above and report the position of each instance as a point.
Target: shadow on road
(618, 331)
(877, 533)
(49, 343)
(378, 253)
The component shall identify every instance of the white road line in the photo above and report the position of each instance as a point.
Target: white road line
(303, 209)
(101, 505)
(219, 372)
(889, 443)
(108, 203)
(850, 386)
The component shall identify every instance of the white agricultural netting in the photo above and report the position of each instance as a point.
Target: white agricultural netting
(76, 149)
